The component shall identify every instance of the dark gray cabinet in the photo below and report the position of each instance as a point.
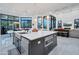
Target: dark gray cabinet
(39, 46)
(17, 41)
(36, 47)
(24, 46)
(50, 43)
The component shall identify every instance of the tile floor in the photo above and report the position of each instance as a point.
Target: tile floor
(65, 46)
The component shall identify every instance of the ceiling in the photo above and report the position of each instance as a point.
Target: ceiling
(32, 9)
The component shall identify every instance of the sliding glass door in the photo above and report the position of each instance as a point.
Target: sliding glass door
(52, 22)
(45, 22)
(7, 21)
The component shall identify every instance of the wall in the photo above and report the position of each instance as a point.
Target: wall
(68, 17)
(34, 22)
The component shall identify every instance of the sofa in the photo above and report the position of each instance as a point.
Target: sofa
(62, 32)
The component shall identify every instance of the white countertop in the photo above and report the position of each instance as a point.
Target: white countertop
(36, 35)
(10, 31)
(19, 31)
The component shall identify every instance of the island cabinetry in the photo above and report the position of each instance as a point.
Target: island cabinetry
(36, 47)
(49, 43)
(37, 43)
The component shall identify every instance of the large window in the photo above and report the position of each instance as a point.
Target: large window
(26, 22)
(0, 22)
(76, 23)
(7, 21)
(59, 23)
(46, 22)
(52, 22)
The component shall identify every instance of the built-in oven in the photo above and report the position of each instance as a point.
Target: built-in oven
(50, 43)
(48, 40)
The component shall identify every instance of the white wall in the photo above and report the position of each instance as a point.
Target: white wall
(65, 17)
(68, 17)
(34, 21)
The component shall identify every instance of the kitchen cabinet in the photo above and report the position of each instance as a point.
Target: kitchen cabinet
(35, 43)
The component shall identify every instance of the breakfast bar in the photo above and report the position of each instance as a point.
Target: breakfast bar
(35, 43)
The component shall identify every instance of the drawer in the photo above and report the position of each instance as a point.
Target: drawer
(49, 40)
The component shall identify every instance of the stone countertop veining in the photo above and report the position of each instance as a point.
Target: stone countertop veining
(36, 35)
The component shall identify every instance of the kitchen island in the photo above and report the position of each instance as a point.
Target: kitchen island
(35, 43)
